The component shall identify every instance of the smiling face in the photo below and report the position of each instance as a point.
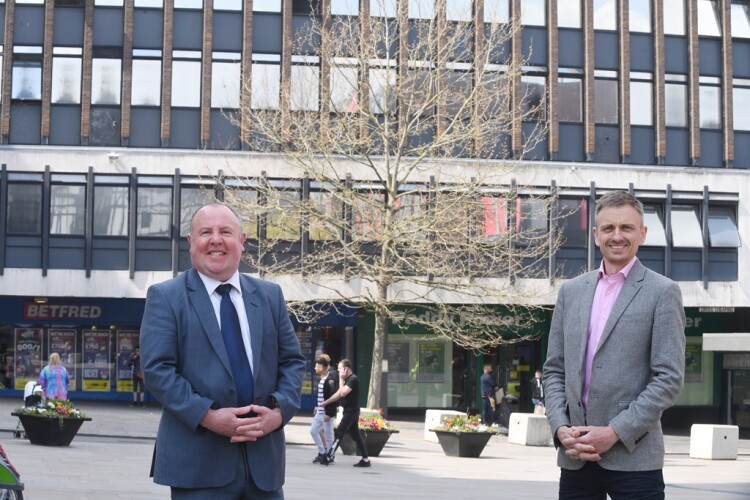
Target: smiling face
(618, 233)
(216, 242)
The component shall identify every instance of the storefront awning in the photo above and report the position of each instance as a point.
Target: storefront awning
(728, 342)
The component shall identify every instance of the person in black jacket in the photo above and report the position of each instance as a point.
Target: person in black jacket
(324, 417)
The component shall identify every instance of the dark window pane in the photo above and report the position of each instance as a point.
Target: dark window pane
(67, 210)
(24, 208)
(111, 210)
(154, 211)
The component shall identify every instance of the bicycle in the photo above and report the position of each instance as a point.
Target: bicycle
(11, 487)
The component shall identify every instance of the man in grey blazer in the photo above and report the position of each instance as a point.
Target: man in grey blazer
(615, 362)
(210, 443)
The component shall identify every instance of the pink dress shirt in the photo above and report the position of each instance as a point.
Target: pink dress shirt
(607, 290)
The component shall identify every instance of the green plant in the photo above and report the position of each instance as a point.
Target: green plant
(52, 408)
(462, 423)
(375, 422)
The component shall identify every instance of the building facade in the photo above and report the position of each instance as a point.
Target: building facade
(116, 122)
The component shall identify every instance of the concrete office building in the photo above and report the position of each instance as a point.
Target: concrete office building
(113, 120)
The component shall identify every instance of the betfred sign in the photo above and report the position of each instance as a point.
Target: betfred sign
(39, 312)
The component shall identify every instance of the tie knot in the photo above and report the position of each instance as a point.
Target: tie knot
(224, 289)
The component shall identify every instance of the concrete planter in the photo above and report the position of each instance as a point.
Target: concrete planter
(48, 431)
(463, 444)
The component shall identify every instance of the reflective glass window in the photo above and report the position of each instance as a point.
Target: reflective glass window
(227, 4)
(67, 209)
(188, 4)
(344, 7)
(245, 202)
(110, 3)
(266, 82)
(495, 217)
(741, 105)
(686, 229)
(708, 18)
(569, 99)
(66, 80)
(283, 220)
(569, 13)
(652, 219)
(327, 210)
(344, 89)
(111, 208)
(605, 14)
(640, 103)
(496, 11)
(710, 107)
(225, 85)
(674, 18)
(722, 228)
(106, 76)
(146, 84)
(459, 10)
(533, 13)
(149, 3)
(305, 88)
(383, 8)
(675, 104)
(640, 15)
(573, 222)
(421, 9)
(154, 211)
(24, 209)
(26, 83)
(740, 22)
(382, 88)
(533, 103)
(186, 84)
(191, 199)
(531, 220)
(605, 101)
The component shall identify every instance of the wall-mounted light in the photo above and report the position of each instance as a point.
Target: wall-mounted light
(40, 300)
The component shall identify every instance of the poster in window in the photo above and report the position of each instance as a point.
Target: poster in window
(431, 362)
(28, 355)
(693, 363)
(126, 342)
(96, 357)
(63, 342)
(398, 362)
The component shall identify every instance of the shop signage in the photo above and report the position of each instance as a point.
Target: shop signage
(37, 312)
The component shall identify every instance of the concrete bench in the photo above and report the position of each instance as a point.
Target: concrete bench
(528, 429)
(714, 442)
(433, 418)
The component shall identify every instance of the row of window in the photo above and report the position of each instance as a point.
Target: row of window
(533, 12)
(344, 80)
(154, 212)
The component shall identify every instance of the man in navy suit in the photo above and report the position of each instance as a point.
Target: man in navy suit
(615, 362)
(209, 446)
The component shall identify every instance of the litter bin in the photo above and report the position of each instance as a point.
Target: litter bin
(509, 405)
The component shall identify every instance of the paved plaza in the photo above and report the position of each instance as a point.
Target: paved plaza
(110, 459)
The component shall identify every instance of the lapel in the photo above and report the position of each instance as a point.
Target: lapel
(254, 310)
(630, 289)
(204, 310)
(586, 294)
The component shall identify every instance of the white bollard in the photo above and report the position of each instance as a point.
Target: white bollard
(433, 418)
(714, 442)
(529, 430)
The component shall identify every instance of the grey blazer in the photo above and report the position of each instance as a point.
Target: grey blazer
(185, 366)
(638, 369)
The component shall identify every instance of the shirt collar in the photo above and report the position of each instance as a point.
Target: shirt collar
(624, 271)
(211, 283)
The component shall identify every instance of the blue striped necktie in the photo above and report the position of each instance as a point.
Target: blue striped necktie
(232, 333)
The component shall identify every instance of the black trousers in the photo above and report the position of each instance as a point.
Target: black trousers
(349, 424)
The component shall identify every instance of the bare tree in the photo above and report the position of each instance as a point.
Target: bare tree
(403, 135)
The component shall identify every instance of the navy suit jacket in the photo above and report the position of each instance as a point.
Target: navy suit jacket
(185, 366)
(638, 368)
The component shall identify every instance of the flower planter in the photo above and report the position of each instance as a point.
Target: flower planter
(47, 431)
(374, 440)
(463, 444)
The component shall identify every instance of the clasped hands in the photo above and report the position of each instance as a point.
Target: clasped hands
(231, 423)
(587, 442)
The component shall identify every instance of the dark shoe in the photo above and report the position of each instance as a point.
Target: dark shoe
(324, 460)
(133, 405)
(363, 463)
(318, 458)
